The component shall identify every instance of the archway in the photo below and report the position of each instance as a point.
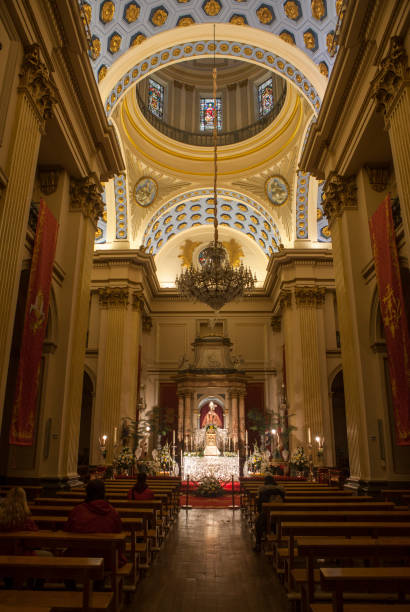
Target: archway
(339, 423)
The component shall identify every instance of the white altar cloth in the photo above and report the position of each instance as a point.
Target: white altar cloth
(221, 467)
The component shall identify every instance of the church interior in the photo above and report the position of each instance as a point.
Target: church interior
(204, 276)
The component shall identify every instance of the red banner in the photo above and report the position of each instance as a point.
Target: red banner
(393, 313)
(35, 323)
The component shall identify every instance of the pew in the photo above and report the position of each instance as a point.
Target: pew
(54, 569)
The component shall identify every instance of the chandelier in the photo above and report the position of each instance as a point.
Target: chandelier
(216, 282)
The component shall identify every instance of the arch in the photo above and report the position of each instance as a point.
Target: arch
(247, 44)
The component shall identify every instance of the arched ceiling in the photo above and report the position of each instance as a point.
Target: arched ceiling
(117, 25)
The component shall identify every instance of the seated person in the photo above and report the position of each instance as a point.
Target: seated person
(141, 490)
(15, 513)
(268, 492)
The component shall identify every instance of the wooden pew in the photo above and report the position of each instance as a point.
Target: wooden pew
(106, 545)
(54, 569)
(339, 581)
(313, 548)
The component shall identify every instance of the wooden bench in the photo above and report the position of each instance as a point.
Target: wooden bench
(54, 569)
(106, 545)
(340, 581)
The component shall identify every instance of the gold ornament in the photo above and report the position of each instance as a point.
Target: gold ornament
(326, 231)
(102, 73)
(319, 214)
(115, 43)
(107, 11)
(132, 13)
(95, 48)
(104, 216)
(291, 9)
(183, 1)
(138, 40)
(310, 42)
(212, 7)
(185, 21)
(264, 15)
(330, 43)
(98, 233)
(287, 37)
(238, 20)
(339, 6)
(86, 13)
(318, 9)
(324, 69)
(159, 17)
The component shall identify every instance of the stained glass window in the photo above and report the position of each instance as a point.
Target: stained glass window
(265, 98)
(207, 110)
(156, 98)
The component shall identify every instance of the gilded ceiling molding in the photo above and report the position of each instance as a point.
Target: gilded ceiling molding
(35, 81)
(85, 196)
(285, 298)
(393, 74)
(339, 194)
(276, 323)
(113, 297)
(48, 179)
(302, 196)
(310, 296)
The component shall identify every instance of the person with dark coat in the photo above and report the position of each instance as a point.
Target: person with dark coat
(267, 493)
(141, 490)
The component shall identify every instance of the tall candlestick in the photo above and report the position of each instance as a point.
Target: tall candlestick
(309, 436)
(246, 437)
(115, 435)
(173, 437)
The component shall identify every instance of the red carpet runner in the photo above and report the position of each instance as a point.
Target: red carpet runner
(209, 502)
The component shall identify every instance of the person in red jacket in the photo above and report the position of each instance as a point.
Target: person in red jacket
(95, 514)
(141, 490)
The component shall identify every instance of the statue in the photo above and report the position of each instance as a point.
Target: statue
(211, 417)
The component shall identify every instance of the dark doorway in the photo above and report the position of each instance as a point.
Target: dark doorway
(339, 423)
(85, 426)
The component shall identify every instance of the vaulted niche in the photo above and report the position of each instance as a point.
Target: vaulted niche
(178, 100)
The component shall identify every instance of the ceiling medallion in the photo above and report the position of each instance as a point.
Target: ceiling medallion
(107, 11)
(115, 43)
(265, 15)
(159, 17)
(137, 40)
(318, 9)
(102, 73)
(287, 37)
(214, 280)
(145, 191)
(277, 190)
(324, 69)
(310, 40)
(185, 21)
(212, 7)
(132, 12)
(292, 10)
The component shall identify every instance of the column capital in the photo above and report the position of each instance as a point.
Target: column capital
(86, 197)
(285, 298)
(113, 297)
(137, 301)
(35, 81)
(146, 323)
(48, 178)
(276, 323)
(310, 296)
(392, 74)
(339, 194)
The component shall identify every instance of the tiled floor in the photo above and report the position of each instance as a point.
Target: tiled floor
(208, 565)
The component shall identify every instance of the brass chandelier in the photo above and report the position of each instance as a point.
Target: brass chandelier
(216, 282)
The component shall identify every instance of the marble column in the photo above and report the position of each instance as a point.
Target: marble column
(235, 418)
(34, 106)
(85, 199)
(391, 89)
(114, 304)
(242, 418)
(187, 419)
(180, 418)
(340, 197)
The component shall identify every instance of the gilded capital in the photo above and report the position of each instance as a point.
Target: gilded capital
(339, 194)
(276, 323)
(146, 323)
(137, 301)
(113, 297)
(310, 296)
(392, 74)
(35, 80)
(285, 298)
(85, 196)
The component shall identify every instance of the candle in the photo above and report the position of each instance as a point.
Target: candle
(115, 435)
(309, 436)
(246, 437)
(173, 437)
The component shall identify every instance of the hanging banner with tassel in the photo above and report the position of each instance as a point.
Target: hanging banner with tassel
(393, 311)
(35, 324)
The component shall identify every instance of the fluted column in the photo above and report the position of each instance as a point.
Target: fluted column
(187, 419)
(34, 106)
(308, 300)
(180, 418)
(242, 418)
(340, 197)
(85, 196)
(114, 303)
(235, 417)
(391, 89)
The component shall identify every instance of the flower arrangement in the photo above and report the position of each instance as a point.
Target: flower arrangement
(209, 486)
(125, 460)
(165, 458)
(255, 460)
(211, 428)
(299, 459)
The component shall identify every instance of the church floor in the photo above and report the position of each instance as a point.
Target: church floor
(207, 564)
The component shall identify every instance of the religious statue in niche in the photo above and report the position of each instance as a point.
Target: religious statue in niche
(211, 417)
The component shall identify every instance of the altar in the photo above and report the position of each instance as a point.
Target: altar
(221, 467)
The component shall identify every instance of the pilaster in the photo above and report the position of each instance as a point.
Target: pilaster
(34, 106)
(180, 418)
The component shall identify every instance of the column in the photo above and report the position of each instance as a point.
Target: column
(341, 198)
(187, 419)
(34, 106)
(114, 303)
(242, 418)
(308, 300)
(391, 89)
(235, 418)
(180, 418)
(85, 196)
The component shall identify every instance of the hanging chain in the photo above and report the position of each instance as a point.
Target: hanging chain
(215, 137)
